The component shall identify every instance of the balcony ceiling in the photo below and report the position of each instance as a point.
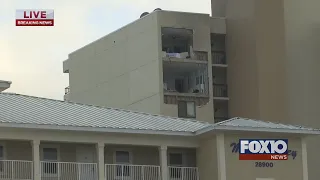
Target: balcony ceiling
(180, 67)
(177, 32)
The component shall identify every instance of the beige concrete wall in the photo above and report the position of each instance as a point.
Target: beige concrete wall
(93, 137)
(17, 150)
(256, 54)
(272, 50)
(207, 159)
(289, 169)
(119, 70)
(218, 8)
(302, 31)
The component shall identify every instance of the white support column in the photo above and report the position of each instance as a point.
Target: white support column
(221, 156)
(101, 166)
(36, 159)
(304, 159)
(163, 162)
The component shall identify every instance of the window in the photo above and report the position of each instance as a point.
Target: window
(50, 156)
(186, 109)
(175, 161)
(122, 158)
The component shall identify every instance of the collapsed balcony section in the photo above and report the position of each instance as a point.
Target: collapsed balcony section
(188, 82)
(177, 44)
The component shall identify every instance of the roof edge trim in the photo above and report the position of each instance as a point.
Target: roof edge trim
(260, 129)
(95, 129)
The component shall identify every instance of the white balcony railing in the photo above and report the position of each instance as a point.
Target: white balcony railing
(183, 173)
(68, 171)
(132, 172)
(16, 169)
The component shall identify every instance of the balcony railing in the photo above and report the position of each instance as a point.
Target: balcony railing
(171, 98)
(14, 169)
(68, 170)
(219, 57)
(183, 173)
(220, 90)
(200, 55)
(132, 172)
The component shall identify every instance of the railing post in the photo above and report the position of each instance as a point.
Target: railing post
(31, 170)
(79, 171)
(182, 173)
(36, 159)
(163, 162)
(122, 169)
(58, 170)
(100, 160)
(142, 172)
(159, 171)
(12, 170)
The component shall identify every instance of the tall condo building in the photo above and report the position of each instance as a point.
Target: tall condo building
(169, 63)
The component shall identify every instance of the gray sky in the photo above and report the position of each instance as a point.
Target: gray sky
(31, 57)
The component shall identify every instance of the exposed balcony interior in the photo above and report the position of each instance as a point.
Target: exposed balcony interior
(219, 83)
(218, 50)
(185, 78)
(177, 44)
(220, 110)
(185, 82)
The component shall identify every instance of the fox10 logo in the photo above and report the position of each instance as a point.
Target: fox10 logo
(263, 149)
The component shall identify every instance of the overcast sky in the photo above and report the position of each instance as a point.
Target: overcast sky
(31, 57)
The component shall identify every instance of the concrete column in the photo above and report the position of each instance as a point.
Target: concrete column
(304, 159)
(163, 162)
(36, 159)
(100, 153)
(221, 156)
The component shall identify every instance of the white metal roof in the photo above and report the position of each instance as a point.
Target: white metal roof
(34, 112)
(245, 124)
(23, 111)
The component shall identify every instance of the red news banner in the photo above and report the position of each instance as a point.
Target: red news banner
(34, 17)
(263, 157)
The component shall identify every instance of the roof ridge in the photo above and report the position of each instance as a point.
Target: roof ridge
(277, 123)
(104, 107)
(228, 120)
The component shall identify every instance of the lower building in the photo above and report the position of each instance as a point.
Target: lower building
(51, 139)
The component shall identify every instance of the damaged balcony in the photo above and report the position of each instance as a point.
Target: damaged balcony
(185, 82)
(177, 45)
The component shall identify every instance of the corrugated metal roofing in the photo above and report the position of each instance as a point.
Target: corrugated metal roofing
(244, 122)
(22, 109)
